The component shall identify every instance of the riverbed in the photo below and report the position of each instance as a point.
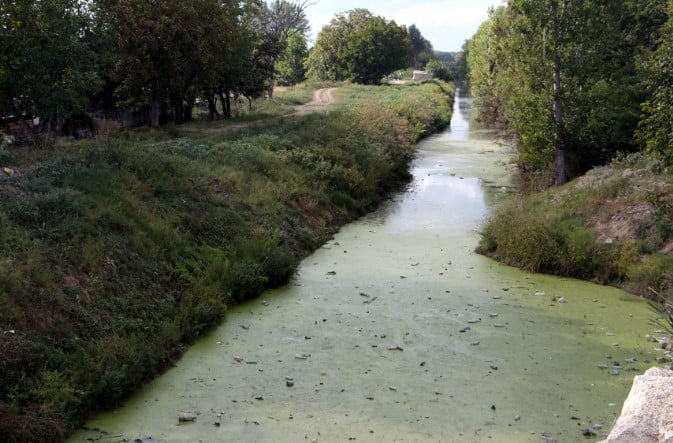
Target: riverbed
(396, 331)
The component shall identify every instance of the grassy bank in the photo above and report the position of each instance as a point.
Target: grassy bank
(612, 226)
(115, 253)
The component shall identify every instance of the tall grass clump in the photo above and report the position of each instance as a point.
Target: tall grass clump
(115, 254)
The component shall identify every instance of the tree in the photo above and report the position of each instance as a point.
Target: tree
(359, 46)
(45, 63)
(655, 131)
(290, 65)
(561, 74)
(439, 70)
(277, 22)
(421, 48)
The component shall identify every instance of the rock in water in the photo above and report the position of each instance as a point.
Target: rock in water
(647, 416)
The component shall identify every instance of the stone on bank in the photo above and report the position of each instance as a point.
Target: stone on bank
(647, 414)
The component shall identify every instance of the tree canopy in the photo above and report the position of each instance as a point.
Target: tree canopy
(60, 57)
(359, 46)
(562, 75)
(421, 48)
(656, 128)
(46, 64)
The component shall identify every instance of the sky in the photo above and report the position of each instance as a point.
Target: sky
(445, 23)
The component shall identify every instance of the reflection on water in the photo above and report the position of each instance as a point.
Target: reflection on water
(397, 331)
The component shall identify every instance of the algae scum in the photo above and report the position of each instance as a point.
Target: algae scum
(397, 331)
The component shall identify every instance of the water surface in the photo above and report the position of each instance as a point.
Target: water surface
(396, 330)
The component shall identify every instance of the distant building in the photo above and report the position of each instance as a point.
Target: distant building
(422, 75)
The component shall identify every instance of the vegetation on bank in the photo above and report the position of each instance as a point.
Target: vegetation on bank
(115, 253)
(582, 85)
(611, 226)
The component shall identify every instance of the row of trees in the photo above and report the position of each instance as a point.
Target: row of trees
(59, 56)
(569, 79)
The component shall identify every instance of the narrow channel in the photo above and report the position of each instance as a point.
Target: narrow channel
(396, 331)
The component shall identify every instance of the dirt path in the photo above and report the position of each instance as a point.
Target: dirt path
(321, 99)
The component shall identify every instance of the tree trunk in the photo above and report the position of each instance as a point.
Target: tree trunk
(178, 109)
(155, 110)
(212, 107)
(189, 110)
(560, 157)
(225, 97)
(561, 175)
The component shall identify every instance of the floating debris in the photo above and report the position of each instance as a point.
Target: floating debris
(289, 382)
(238, 358)
(186, 417)
(301, 356)
(392, 388)
(498, 325)
(371, 300)
(588, 433)
(474, 320)
(395, 348)
(493, 314)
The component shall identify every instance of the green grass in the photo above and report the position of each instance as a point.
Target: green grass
(115, 253)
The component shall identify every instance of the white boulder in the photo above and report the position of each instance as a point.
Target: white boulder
(647, 414)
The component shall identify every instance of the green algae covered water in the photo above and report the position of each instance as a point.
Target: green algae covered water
(396, 331)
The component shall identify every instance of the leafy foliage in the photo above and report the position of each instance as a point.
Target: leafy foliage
(359, 46)
(656, 128)
(290, 68)
(421, 48)
(562, 76)
(46, 64)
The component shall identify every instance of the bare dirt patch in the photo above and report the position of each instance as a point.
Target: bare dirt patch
(322, 98)
(623, 223)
